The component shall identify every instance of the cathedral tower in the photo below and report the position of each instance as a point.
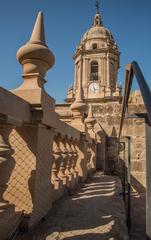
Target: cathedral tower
(96, 63)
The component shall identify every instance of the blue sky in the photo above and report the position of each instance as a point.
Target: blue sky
(65, 23)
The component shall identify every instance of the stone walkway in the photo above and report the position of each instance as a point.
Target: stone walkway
(95, 212)
(138, 216)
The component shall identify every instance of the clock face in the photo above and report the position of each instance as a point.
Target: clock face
(94, 88)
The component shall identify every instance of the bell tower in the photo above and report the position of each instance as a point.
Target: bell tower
(96, 63)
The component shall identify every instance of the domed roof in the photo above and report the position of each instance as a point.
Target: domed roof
(97, 32)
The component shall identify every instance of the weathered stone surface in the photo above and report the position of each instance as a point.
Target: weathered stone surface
(96, 211)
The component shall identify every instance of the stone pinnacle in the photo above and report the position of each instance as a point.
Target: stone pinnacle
(38, 34)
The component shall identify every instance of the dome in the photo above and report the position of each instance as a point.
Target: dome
(97, 32)
(97, 37)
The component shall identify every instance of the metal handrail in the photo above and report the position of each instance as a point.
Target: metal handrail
(131, 70)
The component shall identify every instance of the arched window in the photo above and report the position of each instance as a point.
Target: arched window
(94, 46)
(94, 71)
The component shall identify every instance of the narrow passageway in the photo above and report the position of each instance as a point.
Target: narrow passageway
(95, 212)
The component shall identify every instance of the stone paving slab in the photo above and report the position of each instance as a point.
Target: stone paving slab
(95, 212)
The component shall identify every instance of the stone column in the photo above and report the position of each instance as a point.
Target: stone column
(105, 75)
(103, 71)
(78, 76)
(84, 82)
(86, 76)
(100, 71)
(108, 90)
(116, 72)
(88, 69)
(108, 70)
(81, 73)
(75, 77)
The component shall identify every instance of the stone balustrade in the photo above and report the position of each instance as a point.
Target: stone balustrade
(41, 157)
(38, 164)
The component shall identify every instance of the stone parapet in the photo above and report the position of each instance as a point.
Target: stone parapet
(41, 157)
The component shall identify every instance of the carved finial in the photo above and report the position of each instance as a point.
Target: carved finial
(90, 120)
(78, 107)
(38, 34)
(35, 56)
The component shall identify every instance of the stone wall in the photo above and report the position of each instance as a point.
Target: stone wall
(37, 165)
(108, 116)
(135, 129)
(23, 142)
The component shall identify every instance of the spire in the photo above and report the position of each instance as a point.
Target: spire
(97, 18)
(97, 7)
(38, 34)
